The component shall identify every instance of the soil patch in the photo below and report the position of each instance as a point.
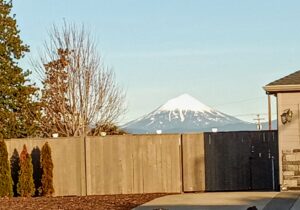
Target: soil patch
(107, 202)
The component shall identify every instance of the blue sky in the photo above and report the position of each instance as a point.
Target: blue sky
(220, 52)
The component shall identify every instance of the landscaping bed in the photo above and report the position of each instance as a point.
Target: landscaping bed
(118, 202)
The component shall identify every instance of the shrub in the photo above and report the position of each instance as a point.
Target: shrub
(47, 168)
(109, 128)
(5, 176)
(25, 185)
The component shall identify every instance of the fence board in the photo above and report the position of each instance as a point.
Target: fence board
(193, 162)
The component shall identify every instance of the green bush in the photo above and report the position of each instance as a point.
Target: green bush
(5, 176)
(25, 185)
(47, 168)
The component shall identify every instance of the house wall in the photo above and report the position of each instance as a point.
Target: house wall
(289, 140)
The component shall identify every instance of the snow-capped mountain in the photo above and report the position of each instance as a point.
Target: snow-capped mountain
(183, 114)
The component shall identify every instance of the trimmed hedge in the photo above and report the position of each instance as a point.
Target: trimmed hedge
(25, 185)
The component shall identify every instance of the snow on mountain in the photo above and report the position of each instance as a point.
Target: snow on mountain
(185, 102)
(180, 115)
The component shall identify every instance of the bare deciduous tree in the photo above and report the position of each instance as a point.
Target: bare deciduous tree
(80, 93)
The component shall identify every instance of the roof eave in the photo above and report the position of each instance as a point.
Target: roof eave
(271, 89)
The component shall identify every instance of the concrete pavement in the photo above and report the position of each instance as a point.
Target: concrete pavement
(282, 201)
(225, 201)
(296, 205)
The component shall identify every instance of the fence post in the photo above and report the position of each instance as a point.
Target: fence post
(85, 165)
(181, 163)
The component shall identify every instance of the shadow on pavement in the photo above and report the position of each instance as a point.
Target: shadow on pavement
(282, 201)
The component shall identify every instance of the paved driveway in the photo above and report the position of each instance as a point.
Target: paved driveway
(226, 201)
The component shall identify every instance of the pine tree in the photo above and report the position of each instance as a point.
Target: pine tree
(25, 184)
(5, 176)
(17, 108)
(47, 167)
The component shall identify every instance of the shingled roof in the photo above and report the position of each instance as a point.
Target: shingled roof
(290, 83)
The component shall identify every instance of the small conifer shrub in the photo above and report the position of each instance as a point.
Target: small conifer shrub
(25, 185)
(5, 176)
(47, 168)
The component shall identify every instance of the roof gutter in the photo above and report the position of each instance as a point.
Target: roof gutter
(271, 89)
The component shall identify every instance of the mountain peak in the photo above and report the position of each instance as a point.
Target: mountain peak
(185, 102)
(180, 115)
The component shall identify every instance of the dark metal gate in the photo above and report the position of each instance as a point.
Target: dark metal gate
(241, 161)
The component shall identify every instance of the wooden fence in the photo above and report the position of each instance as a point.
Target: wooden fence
(132, 163)
(110, 164)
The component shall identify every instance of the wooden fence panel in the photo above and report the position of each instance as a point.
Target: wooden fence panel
(193, 162)
(133, 164)
(241, 161)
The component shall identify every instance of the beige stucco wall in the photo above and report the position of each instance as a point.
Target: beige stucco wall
(289, 133)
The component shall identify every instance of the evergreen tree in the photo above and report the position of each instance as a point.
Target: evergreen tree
(26, 183)
(17, 108)
(47, 167)
(5, 176)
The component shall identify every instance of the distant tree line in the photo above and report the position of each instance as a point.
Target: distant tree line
(79, 94)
